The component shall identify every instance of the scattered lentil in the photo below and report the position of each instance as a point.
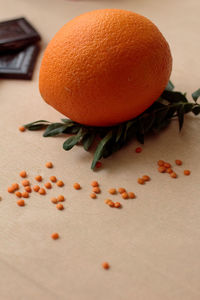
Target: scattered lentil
(48, 185)
(138, 150)
(22, 128)
(93, 195)
(55, 236)
(23, 174)
(160, 163)
(59, 206)
(117, 204)
(54, 200)
(131, 195)
(18, 194)
(105, 265)
(146, 177)
(53, 178)
(96, 190)
(178, 162)
(140, 181)
(38, 178)
(28, 189)
(21, 202)
(121, 190)
(124, 195)
(76, 186)
(42, 191)
(49, 165)
(25, 194)
(173, 175)
(94, 183)
(60, 183)
(162, 169)
(36, 188)
(25, 182)
(112, 191)
(61, 198)
(98, 164)
(186, 172)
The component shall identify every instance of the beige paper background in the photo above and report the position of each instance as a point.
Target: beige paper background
(153, 243)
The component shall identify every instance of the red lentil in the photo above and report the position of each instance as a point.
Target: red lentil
(23, 174)
(60, 183)
(178, 162)
(61, 198)
(36, 188)
(105, 265)
(59, 206)
(186, 172)
(21, 202)
(117, 204)
(49, 165)
(55, 236)
(94, 183)
(76, 186)
(42, 191)
(25, 194)
(131, 195)
(112, 191)
(96, 190)
(38, 178)
(121, 190)
(53, 178)
(28, 189)
(22, 128)
(48, 185)
(93, 195)
(25, 182)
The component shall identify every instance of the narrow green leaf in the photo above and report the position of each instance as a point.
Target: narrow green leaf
(169, 86)
(36, 127)
(188, 107)
(40, 124)
(67, 121)
(72, 141)
(173, 97)
(196, 95)
(119, 132)
(196, 110)
(88, 140)
(100, 148)
(54, 129)
(181, 117)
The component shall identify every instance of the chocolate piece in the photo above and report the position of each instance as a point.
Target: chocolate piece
(16, 34)
(19, 65)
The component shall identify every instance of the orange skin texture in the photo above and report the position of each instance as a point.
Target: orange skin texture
(105, 67)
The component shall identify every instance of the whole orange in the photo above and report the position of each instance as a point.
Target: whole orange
(105, 67)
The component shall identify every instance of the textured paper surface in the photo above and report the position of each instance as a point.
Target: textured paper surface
(152, 243)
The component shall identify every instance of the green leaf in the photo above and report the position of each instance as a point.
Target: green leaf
(54, 129)
(196, 110)
(100, 148)
(188, 107)
(196, 95)
(37, 125)
(169, 86)
(119, 132)
(173, 97)
(181, 117)
(88, 140)
(72, 141)
(67, 121)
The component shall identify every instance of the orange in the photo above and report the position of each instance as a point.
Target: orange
(105, 67)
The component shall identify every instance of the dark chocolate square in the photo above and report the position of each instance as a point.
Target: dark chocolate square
(16, 34)
(20, 64)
